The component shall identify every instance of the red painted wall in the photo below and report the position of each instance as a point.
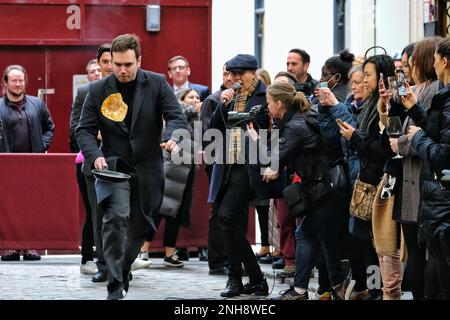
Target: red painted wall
(35, 34)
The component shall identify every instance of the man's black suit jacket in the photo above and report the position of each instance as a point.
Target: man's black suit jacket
(137, 147)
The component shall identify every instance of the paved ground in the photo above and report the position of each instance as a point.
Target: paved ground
(57, 277)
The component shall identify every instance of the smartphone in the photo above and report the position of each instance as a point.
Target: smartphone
(401, 82)
(340, 122)
(381, 80)
(394, 89)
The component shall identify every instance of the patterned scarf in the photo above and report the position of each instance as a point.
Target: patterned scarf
(235, 133)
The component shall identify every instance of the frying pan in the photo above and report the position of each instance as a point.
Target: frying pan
(112, 176)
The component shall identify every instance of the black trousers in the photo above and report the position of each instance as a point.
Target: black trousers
(440, 253)
(217, 257)
(232, 207)
(97, 223)
(263, 219)
(171, 228)
(415, 265)
(124, 229)
(87, 236)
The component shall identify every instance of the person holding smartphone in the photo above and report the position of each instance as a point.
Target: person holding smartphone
(430, 138)
(365, 138)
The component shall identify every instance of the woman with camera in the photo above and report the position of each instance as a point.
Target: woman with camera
(301, 149)
(431, 140)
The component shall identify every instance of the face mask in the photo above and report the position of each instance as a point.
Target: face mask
(337, 81)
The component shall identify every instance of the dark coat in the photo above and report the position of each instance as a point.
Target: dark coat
(365, 144)
(75, 114)
(40, 124)
(218, 178)
(301, 145)
(433, 147)
(135, 150)
(209, 106)
(330, 132)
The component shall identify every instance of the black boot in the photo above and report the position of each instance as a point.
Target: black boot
(259, 288)
(234, 287)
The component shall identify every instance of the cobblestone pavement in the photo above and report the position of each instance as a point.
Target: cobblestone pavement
(58, 277)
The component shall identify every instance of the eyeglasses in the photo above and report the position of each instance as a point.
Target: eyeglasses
(180, 68)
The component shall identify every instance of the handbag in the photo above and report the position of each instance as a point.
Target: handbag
(362, 200)
(295, 197)
(338, 175)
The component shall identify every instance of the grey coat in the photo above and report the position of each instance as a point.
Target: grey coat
(180, 178)
(411, 161)
(75, 114)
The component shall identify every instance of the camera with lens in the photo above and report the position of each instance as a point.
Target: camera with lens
(445, 180)
(306, 88)
(237, 119)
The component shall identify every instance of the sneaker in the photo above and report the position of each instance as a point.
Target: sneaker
(88, 268)
(144, 256)
(11, 255)
(31, 255)
(291, 294)
(140, 264)
(323, 296)
(359, 295)
(173, 261)
(288, 272)
(344, 290)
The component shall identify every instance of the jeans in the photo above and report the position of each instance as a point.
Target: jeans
(287, 231)
(323, 221)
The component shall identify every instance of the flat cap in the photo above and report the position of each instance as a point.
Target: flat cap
(242, 62)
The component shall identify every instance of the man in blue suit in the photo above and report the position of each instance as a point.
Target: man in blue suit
(179, 71)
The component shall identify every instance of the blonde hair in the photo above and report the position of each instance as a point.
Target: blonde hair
(285, 92)
(264, 76)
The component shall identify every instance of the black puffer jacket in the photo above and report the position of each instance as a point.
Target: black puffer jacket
(433, 147)
(300, 145)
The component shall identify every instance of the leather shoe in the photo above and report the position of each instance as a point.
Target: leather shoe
(126, 281)
(279, 264)
(258, 288)
(11, 255)
(265, 259)
(100, 276)
(221, 271)
(31, 255)
(234, 288)
(116, 291)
